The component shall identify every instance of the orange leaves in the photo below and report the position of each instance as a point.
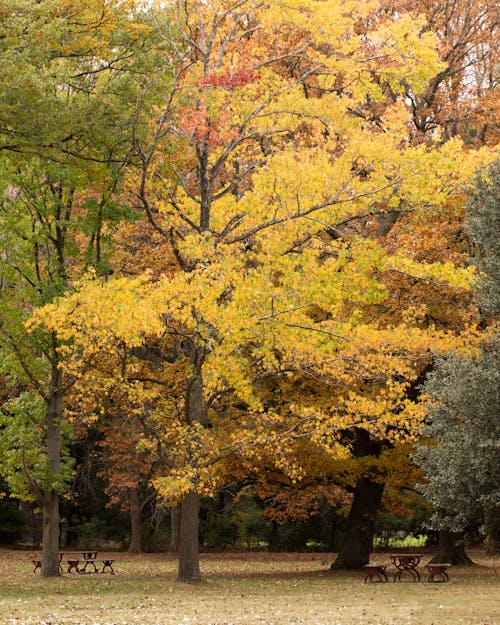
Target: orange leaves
(299, 504)
(201, 125)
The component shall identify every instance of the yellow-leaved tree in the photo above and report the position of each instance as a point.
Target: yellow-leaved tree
(263, 164)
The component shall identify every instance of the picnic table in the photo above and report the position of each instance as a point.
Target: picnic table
(406, 563)
(80, 562)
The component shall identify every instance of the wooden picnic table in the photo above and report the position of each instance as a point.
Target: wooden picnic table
(406, 563)
(80, 562)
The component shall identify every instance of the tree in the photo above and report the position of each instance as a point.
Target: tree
(483, 216)
(267, 315)
(128, 465)
(461, 458)
(62, 158)
(460, 98)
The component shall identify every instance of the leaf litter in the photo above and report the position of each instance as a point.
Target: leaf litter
(242, 589)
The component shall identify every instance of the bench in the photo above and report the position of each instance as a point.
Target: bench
(376, 571)
(437, 572)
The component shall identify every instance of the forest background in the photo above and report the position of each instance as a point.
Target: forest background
(234, 246)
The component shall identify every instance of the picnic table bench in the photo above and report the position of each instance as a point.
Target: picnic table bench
(437, 572)
(374, 570)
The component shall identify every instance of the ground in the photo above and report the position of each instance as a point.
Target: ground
(243, 589)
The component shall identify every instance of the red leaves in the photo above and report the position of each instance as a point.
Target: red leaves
(230, 79)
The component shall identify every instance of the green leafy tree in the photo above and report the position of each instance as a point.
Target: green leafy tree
(67, 116)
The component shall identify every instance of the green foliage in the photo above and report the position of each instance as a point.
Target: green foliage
(461, 457)
(219, 529)
(251, 524)
(483, 220)
(22, 447)
(70, 107)
(293, 536)
(154, 538)
(12, 521)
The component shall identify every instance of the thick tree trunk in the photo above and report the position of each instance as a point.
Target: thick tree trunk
(175, 527)
(189, 562)
(492, 528)
(451, 549)
(135, 522)
(50, 535)
(358, 538)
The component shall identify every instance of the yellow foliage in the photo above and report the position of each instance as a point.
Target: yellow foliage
(277, 144)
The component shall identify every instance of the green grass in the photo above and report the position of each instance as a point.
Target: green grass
(242, 589)
(401, 543)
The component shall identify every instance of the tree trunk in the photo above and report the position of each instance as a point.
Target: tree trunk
(50, 500)
(189, 562)
(135, 522)
(358, 539)
(451, 549)
(333, 531)
(50, 535)
(175, 526)
(195, 412)
(274, 538)
(492, 528)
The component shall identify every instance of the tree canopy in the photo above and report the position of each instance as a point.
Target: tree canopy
(248, 199)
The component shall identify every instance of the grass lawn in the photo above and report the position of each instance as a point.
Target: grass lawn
(243, 589)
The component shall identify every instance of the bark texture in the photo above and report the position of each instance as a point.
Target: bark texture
(358, 538)
(50, 535)
(195, 412)
(175, 524)
(451, 549)
(189, 562)
(50, 500)
(135, 522)
(357, 541)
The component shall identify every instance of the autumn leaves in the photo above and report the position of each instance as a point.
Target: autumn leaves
(250, 155)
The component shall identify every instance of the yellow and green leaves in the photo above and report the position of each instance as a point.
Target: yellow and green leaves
(265, 166)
